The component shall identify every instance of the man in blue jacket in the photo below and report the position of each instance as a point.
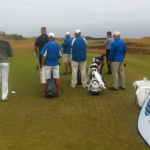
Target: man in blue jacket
(78, 58)
(116, 60)
(51, 52)
(67, 53)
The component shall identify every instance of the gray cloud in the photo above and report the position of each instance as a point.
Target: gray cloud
(94, 18)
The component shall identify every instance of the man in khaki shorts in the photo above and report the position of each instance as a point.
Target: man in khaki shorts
(67, 53)
(51, 52)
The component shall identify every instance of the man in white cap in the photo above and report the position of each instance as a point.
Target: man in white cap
(67, 53)
(78, 45)
(116, 60)
(51, 52)
(5, 52)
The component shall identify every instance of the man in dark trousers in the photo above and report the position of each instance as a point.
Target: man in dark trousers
(5, 52)
(40, 42)
(107, 43)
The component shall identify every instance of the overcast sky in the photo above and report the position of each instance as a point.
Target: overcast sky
(93, 17)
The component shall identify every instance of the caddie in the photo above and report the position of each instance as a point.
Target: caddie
(67, 53)
(51, 52)
(5, 52)
(78, 45)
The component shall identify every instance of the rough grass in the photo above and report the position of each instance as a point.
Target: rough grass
(75, 121)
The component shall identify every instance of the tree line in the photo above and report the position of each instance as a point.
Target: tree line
(15, 37)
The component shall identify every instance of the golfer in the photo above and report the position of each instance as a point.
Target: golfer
(5, 52)
(67, 53)
(40, 42)
(116, 60)
(51, 52)
(107, 43)
(78, 58)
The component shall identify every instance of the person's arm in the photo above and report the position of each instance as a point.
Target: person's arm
(10, 52)
(73, 42)
(60, 53)
(111, 54)
(109, 62)
(85, 41)
(44, 54)
(65, 43)
(105, 44)
(35, 49)
(125, 50)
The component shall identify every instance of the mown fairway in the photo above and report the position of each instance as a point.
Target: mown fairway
(75, 121)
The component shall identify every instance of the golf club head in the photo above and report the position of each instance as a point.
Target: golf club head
(37, 68)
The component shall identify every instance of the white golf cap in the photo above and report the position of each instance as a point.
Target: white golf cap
(77, 31)
(51, 35)
(67, 33)
(116, 33)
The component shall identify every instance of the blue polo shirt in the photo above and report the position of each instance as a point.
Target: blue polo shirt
(117, 51)
(67, 46)
(52, 51)
(79, 48)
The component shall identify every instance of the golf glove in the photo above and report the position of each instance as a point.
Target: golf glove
(36, 55)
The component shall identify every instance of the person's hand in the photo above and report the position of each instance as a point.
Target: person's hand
(109, 62)
(42, 66)
(36, 55)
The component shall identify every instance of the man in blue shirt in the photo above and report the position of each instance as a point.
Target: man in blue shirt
(51, 52)
(78, 58)
(116, 60)
(67, 52)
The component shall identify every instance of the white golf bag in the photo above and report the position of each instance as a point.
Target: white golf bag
(96, 84)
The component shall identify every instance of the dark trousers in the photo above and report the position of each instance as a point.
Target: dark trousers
(107, 55)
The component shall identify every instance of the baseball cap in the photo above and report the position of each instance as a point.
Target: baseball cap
(117, 33)
(51, 35)
(2, 33)
(67, 33)
(77, 31)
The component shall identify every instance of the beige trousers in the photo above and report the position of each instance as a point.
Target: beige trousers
(4, 72)
(82, 65)
(118, 70)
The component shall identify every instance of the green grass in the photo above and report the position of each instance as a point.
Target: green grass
(75, 121)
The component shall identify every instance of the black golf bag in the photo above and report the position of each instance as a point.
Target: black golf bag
(79, 76)
(51, 89)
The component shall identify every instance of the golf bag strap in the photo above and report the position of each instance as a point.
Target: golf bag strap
(94, 80)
